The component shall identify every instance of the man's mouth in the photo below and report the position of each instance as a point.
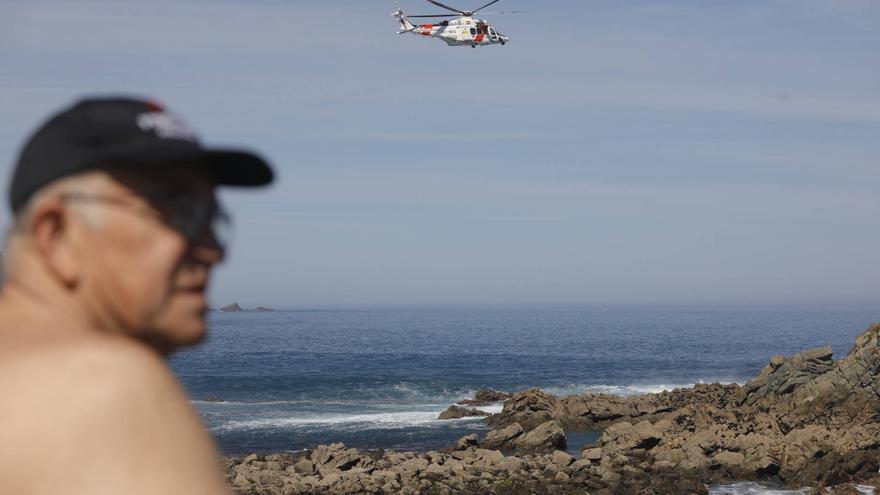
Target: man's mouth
(192, 289)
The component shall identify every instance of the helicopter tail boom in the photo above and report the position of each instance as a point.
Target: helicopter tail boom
(405, 25)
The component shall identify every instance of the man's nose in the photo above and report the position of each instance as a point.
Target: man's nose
(209, 253)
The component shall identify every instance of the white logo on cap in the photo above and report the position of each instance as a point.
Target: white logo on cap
(165, 126)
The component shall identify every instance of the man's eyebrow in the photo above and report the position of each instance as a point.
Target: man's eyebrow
(175, 186)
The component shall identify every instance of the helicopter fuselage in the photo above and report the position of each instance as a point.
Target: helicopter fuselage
(461, 31)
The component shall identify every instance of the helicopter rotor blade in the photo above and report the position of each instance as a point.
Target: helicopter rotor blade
(436, 15)
(483, 7)
(460, 12)
(504, 12)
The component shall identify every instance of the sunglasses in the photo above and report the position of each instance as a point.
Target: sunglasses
(200, 221)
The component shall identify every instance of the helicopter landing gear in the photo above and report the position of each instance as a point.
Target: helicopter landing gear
(503, 43)
(473, 45)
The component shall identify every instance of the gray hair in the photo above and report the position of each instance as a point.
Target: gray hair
(92, 182)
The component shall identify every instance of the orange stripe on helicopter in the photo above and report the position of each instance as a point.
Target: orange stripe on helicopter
(479, 38)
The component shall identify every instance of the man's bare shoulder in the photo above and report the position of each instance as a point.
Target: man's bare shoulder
(107, 407)
(28, 348)
(80, 369)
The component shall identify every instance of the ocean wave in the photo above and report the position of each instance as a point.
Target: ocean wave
(751, 488)
(491, 409)
(348, 393)
(622, 390)
(297, 402)
(390, 420)
(414, 397)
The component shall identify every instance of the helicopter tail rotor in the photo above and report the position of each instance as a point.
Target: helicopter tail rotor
(405, 25)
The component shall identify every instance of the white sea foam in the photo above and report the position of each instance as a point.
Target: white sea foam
(491, 409)
(246, 403)
(390, 420)
(405, 389)
(750, 488)
(622, 390)
(278, 402)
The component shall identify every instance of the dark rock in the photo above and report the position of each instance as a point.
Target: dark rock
(467, 442)
(561, 458)
(783, 376)
(489, 395)
(337, 457)
(304, 466)
(675, 483)
(547, 437)
(456, 412)
(626, 436)
(530, 409)
(590, 411)
(502, 438)
(485, 397)
(232, 308)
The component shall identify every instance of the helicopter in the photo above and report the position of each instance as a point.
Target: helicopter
(464, 30)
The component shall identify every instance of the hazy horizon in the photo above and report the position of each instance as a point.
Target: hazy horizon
(627, 154)
(721, 306)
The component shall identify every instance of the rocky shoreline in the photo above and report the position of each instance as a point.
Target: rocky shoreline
(804, 421)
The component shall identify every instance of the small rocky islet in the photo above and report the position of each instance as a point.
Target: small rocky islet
(236, 308)
(804, 421)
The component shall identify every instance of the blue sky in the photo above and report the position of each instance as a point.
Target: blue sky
(636, 152)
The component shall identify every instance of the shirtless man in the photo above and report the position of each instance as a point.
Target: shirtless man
(116, 229)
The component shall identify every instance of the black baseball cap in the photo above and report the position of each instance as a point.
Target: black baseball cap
(120, 132)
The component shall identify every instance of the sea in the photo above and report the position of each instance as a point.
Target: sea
(286, 381)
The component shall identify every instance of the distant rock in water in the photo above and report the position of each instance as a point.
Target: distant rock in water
(235, 308)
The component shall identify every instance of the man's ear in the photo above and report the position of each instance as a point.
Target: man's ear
(51, 234)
